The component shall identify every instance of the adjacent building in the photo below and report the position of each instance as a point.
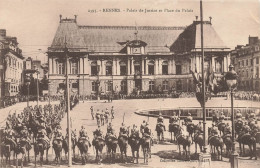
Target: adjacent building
(11, 65)
(127, 59)
(246, 61)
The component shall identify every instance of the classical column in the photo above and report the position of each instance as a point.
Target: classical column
(213, 63)
(143, 66)
(100, 67)
(197, 64)
(225, 63)
(81, 66)
(156, 62)
(160, 66)
(114, 66)
(54, 66)
(228, 60)
(146, 66)
(50, 66)
(132, 65)
(117, 66)
(128, 66)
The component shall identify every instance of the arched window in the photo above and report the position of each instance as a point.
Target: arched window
(109, 65)
(151, 67)
(122, 68)
(165, 67)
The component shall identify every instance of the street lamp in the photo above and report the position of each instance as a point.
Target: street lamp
(231, 80)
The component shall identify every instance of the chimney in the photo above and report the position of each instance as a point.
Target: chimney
(196, 18)
(3, 32)
(60, 18)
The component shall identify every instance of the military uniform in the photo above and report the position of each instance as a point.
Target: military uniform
(134, 133)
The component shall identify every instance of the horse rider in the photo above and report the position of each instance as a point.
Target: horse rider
(147, 131)
(109, 127)
(134, 132)
(92, 112)
(222, 117)
(82, 131)
(227, 129)
(123, 131)
(25, 135)
(143, 125)
(214, 131)
(174, 118)
(42, 134)
(246, 128)
(58, 133)
(83, 135)
(111, 133)
(199, 127)
(98, 133)
(188, 119)
(160, 122)
(238, 115)
(19, 121)
(112, 112)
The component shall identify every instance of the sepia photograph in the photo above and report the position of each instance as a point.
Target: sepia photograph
(130, 83)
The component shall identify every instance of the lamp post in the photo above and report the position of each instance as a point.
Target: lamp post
(231, 80)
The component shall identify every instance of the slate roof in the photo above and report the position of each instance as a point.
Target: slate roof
(113, 38)
(159, 39)
(190, 38)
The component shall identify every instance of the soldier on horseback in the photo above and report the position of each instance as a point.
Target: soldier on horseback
(246, 128)
(42, 134)
(83, 134)
(98, 133)
(147, 131)
(143, 125)
(123, 131)
(214, 131)
(188, 120)
(174, 118)
(58, 133)
(134, 132)
(199, 127)
(222, 117)
(238, 115)
(160, 121)
(109, 128)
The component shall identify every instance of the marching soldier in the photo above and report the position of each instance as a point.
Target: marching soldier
(92, 112)
(112, 112)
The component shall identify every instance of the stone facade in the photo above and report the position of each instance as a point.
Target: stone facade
(127, 59)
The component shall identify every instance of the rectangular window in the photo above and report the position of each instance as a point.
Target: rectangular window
(252, 62)
(122, 70)
(257, 60)
(151, 85)
(110, 86)
(61, 68)
(108, 70)
(151, 69)
(257, 72)
(74, 68)
(94, 70)
(94, 88)
(123, 86)
(178, 69)
(165, 85)
(243, 63)
(165, 69)
(137, 70)
(246, 62)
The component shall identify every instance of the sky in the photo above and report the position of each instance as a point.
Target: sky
(34, 22)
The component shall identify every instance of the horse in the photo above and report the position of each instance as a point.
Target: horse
(146, 146)
(185, 142)
(227, 139)
(99, 144)
(57, 146)
(23, 148)
(216, 142)
(174, 128)
(198, 139)
(66, 148)
(39, 147)
(111, 142)
(123, 142)
(247, 139)
(190, 130)
(160, 128)
(9, 146)
(83, 145)
(134, 143)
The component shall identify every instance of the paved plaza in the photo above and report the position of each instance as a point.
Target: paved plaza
(163, 154)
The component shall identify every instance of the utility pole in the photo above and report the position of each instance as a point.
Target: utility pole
(68, 104)
(203, 79)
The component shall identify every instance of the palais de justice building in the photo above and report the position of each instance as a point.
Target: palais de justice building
(132, 58)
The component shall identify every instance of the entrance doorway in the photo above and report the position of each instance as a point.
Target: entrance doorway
(138, 84)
